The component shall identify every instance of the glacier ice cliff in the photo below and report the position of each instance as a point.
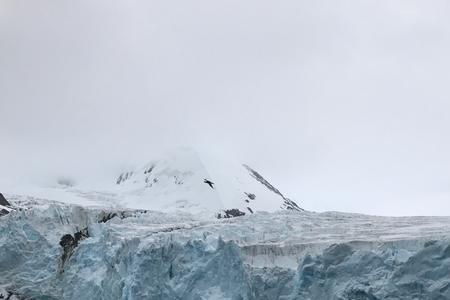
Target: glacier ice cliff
(284, 255)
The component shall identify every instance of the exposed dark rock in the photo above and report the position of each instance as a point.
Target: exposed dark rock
(68, 243)
(81, 235)
(3, 201)
(67, 240)
(123, 177)
(149, 170)
(230, 213)
(263, 181)
(250, 210)
(150, 184)
(288, 203)
(2, 213)
(251, 196)
(106, 216)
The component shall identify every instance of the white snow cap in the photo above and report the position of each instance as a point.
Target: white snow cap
(185, 179)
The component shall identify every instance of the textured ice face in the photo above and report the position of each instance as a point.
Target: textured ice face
(284, 255)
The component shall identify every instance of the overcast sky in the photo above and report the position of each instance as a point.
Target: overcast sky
(344, 105)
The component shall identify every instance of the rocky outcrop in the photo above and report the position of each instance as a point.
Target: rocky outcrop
(287, 203)
(231, 213)
(5, 206)
(3, 201)
(68, 244)
(124, 177)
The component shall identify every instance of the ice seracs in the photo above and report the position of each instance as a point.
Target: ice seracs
(59, 251)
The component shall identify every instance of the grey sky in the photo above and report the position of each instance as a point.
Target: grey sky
(344, 105)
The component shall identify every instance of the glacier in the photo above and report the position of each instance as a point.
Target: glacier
(143, 254)
(189, 226)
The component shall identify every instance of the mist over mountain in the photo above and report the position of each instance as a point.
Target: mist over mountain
(343, 105)
(224, 150)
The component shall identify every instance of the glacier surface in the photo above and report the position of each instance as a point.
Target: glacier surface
(141, 254)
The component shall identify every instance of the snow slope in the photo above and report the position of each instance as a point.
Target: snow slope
(175, 182)
(53, 250)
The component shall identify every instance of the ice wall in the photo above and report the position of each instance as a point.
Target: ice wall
(150, 255)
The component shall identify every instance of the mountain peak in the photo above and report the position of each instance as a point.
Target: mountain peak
(185, 179)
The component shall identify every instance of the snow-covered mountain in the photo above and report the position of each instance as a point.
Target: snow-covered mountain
(181, 180)
(184, 179)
